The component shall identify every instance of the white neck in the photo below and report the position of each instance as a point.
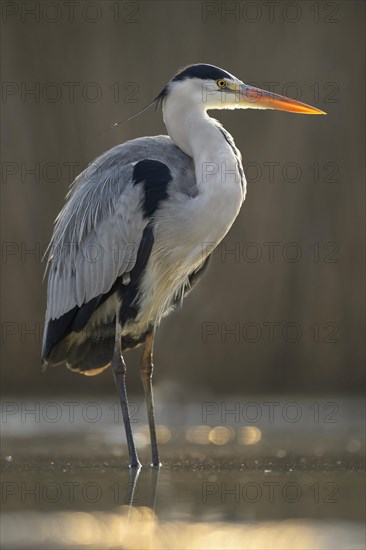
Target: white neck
(219, 178)
(201, 137)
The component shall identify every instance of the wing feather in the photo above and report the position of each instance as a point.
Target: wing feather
(96, 237)
(104, 207)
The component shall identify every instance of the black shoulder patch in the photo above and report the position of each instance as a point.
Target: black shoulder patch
(155, 177)
(202, 71)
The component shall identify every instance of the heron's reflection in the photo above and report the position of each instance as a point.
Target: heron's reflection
(136, 494)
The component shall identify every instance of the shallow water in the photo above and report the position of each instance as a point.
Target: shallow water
(223, 484)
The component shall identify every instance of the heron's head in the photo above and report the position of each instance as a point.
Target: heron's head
(213, 88)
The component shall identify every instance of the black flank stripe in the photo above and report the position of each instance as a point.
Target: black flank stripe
(130, 292)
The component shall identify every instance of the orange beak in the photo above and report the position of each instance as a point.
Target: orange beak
(256, 98)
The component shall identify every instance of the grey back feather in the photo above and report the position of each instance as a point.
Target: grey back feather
(98, 232)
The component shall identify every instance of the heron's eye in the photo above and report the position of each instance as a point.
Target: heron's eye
(221, 83)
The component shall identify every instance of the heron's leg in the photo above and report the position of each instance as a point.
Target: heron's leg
(134, 476)
(146, 376)
(119, 373)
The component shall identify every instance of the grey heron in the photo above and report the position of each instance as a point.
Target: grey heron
(129, 243)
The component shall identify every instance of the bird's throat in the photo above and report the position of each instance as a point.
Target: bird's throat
(217, 161)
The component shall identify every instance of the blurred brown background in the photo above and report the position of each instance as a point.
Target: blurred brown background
(297, 305)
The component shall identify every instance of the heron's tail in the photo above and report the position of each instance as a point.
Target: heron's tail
(89, 351)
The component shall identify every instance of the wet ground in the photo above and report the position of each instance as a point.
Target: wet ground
(235, 474)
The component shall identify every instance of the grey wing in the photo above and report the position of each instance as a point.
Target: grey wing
(99, 230)
(96, 236)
